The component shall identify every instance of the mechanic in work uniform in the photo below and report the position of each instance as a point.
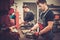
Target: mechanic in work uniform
(46, 20)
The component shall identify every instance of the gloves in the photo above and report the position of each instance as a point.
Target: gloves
(36, 33)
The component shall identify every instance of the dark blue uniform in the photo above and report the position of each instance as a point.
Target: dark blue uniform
(45, 17)
(28, 20)
(29, 16)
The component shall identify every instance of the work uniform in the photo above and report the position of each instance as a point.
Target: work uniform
(43, 19)
(29, 16)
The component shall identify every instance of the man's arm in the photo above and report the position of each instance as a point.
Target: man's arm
(48, 28)
(50, 21)
(35, 26)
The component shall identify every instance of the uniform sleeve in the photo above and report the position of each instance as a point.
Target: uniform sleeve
(50, 16)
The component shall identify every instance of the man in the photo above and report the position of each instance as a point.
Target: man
(29, 16)
(47, 17)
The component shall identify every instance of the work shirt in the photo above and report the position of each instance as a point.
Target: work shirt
(43, 19)
(29, 16)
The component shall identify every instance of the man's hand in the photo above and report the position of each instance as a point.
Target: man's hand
(13, 29)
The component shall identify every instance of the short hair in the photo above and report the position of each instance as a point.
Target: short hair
(25, 6)
(41, 1)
